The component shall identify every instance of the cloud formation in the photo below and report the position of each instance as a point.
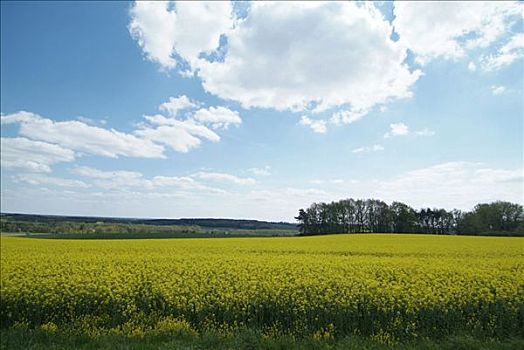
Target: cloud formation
(119, 180)
(445, 185)
(336, 54)
(397, 129)
(24, 154)
(185, 133)
(318, 126)
(449, 30)
(166, 31)
(47, 142)
(511, 51)
(453, 184)
(81, 137)
(401, 129)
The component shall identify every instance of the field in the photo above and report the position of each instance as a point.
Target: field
(385, 288)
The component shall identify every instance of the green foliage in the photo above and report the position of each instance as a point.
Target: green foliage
(57, 228)
(26, 339)
(113, 228)
(497, 217)
(362, 216)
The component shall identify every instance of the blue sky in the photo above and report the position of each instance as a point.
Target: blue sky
(256, 110)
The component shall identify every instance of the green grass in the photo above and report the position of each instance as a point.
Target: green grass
(24, 339)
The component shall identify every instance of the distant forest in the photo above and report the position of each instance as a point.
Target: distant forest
(371, 215)
(107, 227)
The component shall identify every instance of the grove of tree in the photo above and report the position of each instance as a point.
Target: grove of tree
(372, 215)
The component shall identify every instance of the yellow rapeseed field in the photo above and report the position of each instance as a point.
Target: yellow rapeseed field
(383, 286)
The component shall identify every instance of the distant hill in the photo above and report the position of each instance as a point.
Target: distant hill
(202, 222)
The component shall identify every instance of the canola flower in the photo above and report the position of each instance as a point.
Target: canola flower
(379, 286)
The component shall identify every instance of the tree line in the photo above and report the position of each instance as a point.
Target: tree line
(372, 215)
(56, 220)
(7, 224)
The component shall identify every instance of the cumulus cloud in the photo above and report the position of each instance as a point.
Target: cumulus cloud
(29, 155)
(397, 129)
(449, 29)
(180, 135)
(336, 54)
(318, 126)
(217, 117)
(224, 178)
(79, 136)
(367, 149)
(166, 30)
(176, 104)
(184, 134)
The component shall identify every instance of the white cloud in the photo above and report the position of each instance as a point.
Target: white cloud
(367, 149)
(318, 126)
(123, 179)
(183, 182)
(185, 28)
(453, 185)
(40, 179)
(149, 18)
(448, 29)
(225, 178)
(498, 89)
(176, 104)
(336, 54)
(22, 153)
(81, 137)
(185, 134)
(118, 179)
(265, 171)
(180, 135)
(217, 117)
(349, 116)
(449, 185)
(510, 52)
(472, 66)
(147, 141)
(397, 129)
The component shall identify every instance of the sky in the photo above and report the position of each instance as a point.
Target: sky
(254, 110)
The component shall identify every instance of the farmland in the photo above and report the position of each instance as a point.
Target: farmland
(385, 288)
